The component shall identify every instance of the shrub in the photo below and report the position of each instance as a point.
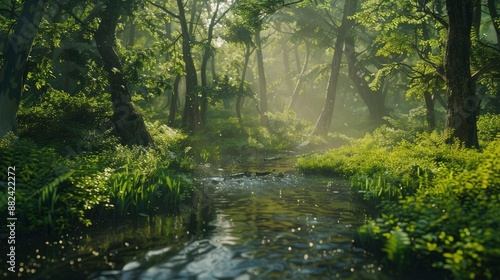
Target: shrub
(488, 127)
(284, 131)
(58, 116)
(41, 185)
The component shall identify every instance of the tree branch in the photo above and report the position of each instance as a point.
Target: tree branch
(163, 9)
(485, 69)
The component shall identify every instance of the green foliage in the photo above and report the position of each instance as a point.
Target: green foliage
(58, 193)
(284, 131)
(391, 163)
(132, 191)
(488, 127)
(438, 203)
(58, 116)
(42, 192)
(451, 223)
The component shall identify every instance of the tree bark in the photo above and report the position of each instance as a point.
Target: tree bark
(298, 84)
(17, 50)
(430, 115)
(174, 98)
(127, 123)
(325, 119)
(476, 18)
(286, 60)
(262, 79)
(207, 53)
(494, 18)
(374, 99)
(191, 118)
(242, 84)
(463, 104)
(428, 97)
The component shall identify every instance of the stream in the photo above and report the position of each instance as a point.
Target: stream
(241, 225)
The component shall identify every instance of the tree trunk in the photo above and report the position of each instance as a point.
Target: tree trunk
(242, 84)
(463, 104)
(286, 60)
(495, 18)
(324, 121)
(174, 99)
(17, 50)
(298, 84)
(127, 123)
(430, 115)
(131, 34)
(374, 99)
(191, 118)
(476, 18)
(207, 53)
(262, 79)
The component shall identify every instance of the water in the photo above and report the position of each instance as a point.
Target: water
(264, 227)
(277, 226)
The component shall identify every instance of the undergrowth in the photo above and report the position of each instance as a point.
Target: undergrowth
(71, 170)
(438, 204)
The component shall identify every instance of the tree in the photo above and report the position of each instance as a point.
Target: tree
(262, 79)
(300, 79)
(191, 117)
(240, 34)
(17, 51)
(207, 53)
(325, 119)
(128, 124)
(463, 104)
(373, 98)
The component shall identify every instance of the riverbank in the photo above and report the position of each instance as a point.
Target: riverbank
(438, 203)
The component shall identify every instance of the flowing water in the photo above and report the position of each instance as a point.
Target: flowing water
(280, 225)
(275, 226)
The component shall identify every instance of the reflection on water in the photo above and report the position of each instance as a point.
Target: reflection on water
(266, 227)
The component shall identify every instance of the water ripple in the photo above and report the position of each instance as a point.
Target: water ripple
(267, 228)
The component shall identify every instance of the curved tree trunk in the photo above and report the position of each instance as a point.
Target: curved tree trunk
(127, 123)
(298, 84)
(325, 120)
(17, 50)
(374, 99)
(463, 104)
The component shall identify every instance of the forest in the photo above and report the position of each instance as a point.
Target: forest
(272, 139)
